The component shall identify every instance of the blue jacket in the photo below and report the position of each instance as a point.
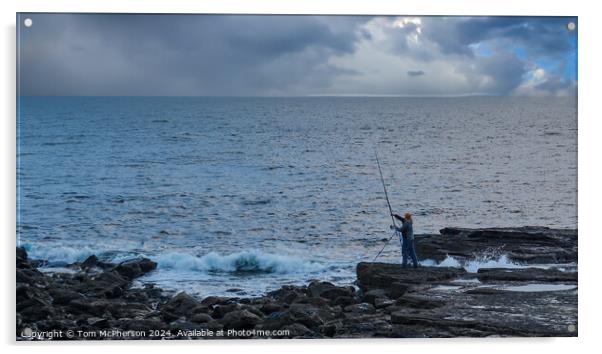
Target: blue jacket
(406, 229)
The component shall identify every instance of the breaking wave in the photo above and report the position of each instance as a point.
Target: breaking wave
(59, 254)
(473, 265)
(246, 261)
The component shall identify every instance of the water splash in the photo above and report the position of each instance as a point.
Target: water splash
(246, 261)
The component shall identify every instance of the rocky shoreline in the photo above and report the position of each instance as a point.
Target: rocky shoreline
(97, 301)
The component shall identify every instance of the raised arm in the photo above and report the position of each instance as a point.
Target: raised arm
(399, 218)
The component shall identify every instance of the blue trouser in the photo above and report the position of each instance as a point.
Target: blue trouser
(408, 251)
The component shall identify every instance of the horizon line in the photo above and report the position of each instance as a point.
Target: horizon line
(311, 96)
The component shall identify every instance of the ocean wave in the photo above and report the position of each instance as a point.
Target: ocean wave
(473, 265)
(246, 261)
(60, 254)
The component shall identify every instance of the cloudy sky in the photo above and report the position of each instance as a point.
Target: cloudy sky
(235, 55)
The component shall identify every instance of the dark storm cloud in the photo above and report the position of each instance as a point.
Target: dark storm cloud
(66, 54)
(538, 35)
(505, 72)
(182, 54)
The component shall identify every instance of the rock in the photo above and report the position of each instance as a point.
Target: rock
(344, 301)
(392, 301)
(240, 319)
(139, 324)
(333, 293)
(382, 275)
(180, 305)
(363, 307)
(62, 296)
(391, 281)
(275, 321)
(215, 300)
(95, 308)
(316, 288)
(22, 258)
(297, 330)
(98, 322)
(90, 262)
(484, 291)
(396, 290)
(314, 301)
(380, 302)
(184, 325)
(371, 295)
(38, 313)
(291, 296)
(220, 311)
(526, 274)
(419, 302)
(29, 276)
(306, 315)
(201, 318)
(271, 308)
(135, 267)
(522, 244)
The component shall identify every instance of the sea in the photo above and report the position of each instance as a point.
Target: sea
(240, 195)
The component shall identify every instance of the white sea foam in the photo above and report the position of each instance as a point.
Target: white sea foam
(246, 261)
(473, 265)
(60, 254)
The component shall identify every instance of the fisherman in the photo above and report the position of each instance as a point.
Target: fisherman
(407, 243)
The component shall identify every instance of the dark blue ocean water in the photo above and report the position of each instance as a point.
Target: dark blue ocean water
(285, 187)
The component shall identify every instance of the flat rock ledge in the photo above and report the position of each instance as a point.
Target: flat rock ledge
(386, 301)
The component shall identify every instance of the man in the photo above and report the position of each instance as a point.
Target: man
(407, 244)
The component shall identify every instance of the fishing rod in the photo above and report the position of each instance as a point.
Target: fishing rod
(382, 179)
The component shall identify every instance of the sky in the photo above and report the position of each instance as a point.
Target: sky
(269, 55)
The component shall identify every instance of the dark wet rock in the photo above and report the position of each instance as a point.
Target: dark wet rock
(363, 307)
(316, 288)
(380, 303)
(308, 316)
(485, 291)
(314, 301)
(290, 296)
(392, 301)
(521, 244)
(215, 300)
(275, 321)
(93, 262)
(22, 258)
(370, 296)
(88, 306)
(28, 275)
(184, 325)
(271, 307)
(395, 280)
(98, 322)
(419, 302)
(220, 311)
(240, 319)
(180, 304)
(201, 318)
(344, 301)
(526, 274)
(139, 324)
(62, 296)
(134, 268)
(297, 330)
